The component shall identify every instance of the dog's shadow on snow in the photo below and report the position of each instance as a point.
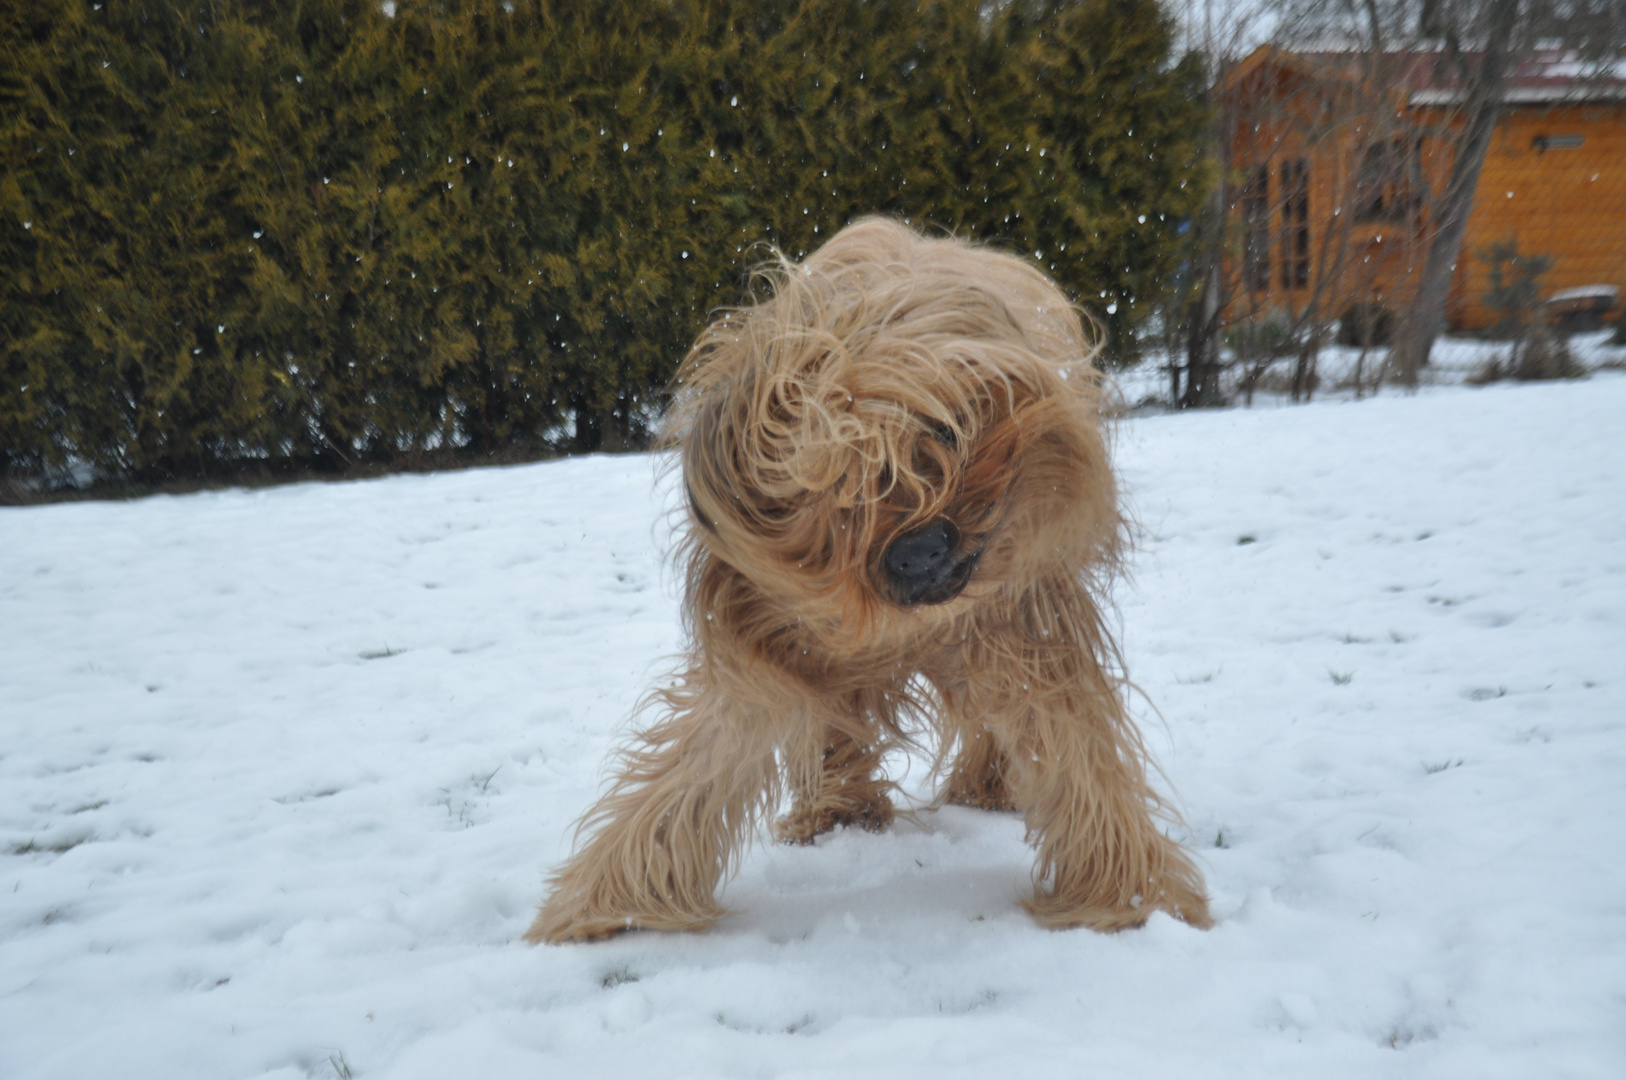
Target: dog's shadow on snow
(950, 866)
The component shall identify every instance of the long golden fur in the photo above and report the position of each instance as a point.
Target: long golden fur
(895, 394)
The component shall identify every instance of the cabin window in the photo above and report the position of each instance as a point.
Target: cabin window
(1256, 230)
(1558, 142)
(1385, 185)
(1295, 188)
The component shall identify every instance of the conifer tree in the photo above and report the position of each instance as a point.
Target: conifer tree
(1117, 127)
(121, 285)
(237, 233)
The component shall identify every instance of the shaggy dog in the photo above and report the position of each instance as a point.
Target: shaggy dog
(902, 518)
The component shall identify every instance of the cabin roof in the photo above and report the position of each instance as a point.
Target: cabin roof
(1428, 77)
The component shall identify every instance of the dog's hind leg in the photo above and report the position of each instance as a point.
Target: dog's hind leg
(688, 792)
(978, 776)
(846, 789)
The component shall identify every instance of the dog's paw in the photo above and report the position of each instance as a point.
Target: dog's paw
(1180, 897)
(978, 779)
(979, 796)
(1189, 905)
(803, 824)
(568, 915)
(558, 927)
(555, 928)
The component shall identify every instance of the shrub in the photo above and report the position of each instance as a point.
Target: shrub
(1366, 325)
(1542, 354)
(1272, 337)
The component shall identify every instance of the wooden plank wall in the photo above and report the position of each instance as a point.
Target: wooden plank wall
(1568, 203)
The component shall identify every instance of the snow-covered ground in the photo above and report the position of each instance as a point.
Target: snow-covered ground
(1339, 370)
(281, 772)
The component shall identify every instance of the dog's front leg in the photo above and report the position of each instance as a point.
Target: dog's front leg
(1079, 779)
(1103, 862)
(688, 791)
(1077, 771)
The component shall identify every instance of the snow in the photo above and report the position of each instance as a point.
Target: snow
(1610, 294)
(281, 772)
(1453, 362)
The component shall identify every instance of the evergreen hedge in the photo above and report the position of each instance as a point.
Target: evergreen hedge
(272, 233)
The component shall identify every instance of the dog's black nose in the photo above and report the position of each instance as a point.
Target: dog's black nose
(919, 562)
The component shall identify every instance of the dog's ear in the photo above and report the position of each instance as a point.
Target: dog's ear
(705, 448)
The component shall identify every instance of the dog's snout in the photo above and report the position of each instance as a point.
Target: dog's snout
(921, 553)
(919, 562)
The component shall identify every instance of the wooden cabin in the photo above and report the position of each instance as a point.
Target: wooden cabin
(1332, 158)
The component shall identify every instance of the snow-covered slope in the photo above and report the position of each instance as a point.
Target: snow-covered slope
(281, 772)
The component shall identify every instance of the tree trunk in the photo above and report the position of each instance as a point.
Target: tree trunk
(1203, 323)
(1202, 346)
(1482, 107)
(1304, 373)
(589, 429)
